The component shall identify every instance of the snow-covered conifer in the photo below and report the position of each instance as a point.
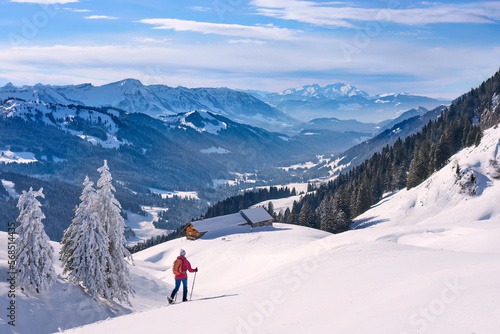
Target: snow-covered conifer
(33, 251)
(109, 209)
(325, 211)
(85, 246)
(307, 216)
(332, 218)
(270, 209)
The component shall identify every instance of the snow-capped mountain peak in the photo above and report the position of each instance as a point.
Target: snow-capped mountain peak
(9, 85)
(200, 121)
(331, 91)
(345, 101)
(394, 95)
(127, 84)
(130, 81)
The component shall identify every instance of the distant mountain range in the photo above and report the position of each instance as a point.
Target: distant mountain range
(343, 101)
(332, 92)
(337, 125)
(278, 112)
(55, 146)
(131, 96)
(406, 125)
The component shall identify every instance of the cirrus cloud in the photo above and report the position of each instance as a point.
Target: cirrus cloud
(46, 2)
(101, 17)
(233, 30)
(342, 15)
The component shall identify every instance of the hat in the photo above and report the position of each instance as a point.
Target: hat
(183, 252)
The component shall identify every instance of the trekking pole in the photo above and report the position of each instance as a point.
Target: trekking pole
(192, 288)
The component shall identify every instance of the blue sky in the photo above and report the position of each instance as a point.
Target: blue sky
(439, 49)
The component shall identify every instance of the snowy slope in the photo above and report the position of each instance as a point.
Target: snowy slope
(66, 117)
(421, 261)
(441, 199)
(306, 281)
(200, 121)
(16, 157)
(65, 305)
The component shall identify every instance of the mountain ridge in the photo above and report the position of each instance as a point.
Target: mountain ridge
(156, 100)
(271, 111)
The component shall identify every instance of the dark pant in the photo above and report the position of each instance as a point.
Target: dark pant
(178, 285)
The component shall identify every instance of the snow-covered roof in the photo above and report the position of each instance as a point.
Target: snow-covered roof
(216, 223)
(230, 224)
(256, 215)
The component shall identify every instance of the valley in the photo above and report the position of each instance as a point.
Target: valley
(157, 143)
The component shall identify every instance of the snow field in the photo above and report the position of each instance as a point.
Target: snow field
(170, 194)
(17, 157)
(143, 226)
(296, 280)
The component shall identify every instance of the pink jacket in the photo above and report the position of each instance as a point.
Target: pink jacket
(185, 266)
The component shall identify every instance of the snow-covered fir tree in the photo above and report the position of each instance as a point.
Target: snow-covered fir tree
(34, 253)
(285, 216)
(108, 209)
(293, 217)
(85, 246)
(332, 217)
(307, 217)
(326, 214)
(270, 209)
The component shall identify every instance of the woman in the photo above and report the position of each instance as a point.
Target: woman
(180, 268)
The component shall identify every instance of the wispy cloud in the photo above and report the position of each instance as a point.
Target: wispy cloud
(153, 40)
(101, 17)
(236, 30)
(199, 8)
(344, 15)
(77, 10)
(45, 2)
(414, 33)
(247, 41)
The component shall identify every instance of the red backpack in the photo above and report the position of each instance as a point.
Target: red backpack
(177, 267)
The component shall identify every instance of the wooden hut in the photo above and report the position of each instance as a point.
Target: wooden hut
(192, 233)
(257, 217)
(229, 224)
